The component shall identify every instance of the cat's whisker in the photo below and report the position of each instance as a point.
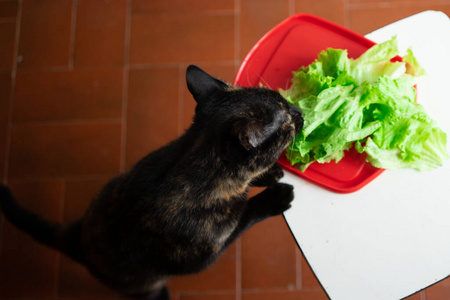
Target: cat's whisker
(265, 83)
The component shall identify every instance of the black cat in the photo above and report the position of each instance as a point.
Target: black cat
(181, 206)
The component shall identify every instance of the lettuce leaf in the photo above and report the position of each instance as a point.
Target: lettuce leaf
(369, 103)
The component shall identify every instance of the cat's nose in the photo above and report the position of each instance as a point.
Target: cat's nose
(294, 110)
(296, 114)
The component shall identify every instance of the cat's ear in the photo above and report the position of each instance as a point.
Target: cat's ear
(252, 134)
(201, 84)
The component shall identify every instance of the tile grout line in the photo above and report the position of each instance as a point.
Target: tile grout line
(56, 69)
(211, 291)
(207, 12)
(63, 199)
(68, 122)
(12, 87)
(62, 221)
(126, 77)
(382, 4)
(81, 177)
(142, 66)
(398, 5)
(10, 108)
(73, 31)
(347, 8)
(238, 269)
(181, 70)
(237, 30)
(423, 295)
(291, 9)
(237, 59)
(280, 289)
(298, 269)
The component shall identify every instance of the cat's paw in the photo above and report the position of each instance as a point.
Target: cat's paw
(270, 177)
(276, 172)
(280, 197)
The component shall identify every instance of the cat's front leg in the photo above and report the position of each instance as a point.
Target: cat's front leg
(270, 177)
(273, 201)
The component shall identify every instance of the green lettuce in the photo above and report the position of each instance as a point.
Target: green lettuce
(369, 103)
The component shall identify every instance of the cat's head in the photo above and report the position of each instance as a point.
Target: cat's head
(249, 123)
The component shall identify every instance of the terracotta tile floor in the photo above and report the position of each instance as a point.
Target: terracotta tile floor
(87, 87)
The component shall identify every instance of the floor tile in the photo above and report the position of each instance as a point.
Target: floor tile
(185, 6)
(68, 109)
(209, 296)
(335, 11)
(100, 37)
(76, 281)
(309, 280)
(8, 9)
(7, 38)
(353, 3)
(65, 149)
(219, 276)
(439, 291)
(417, 296)
(367, 19)
(68, 95)
(268, 255)
(79, 194)
(24, 262)
(45, 34)
(285, 295)
(158, 38)
(5, 87)
(257, 17)
(153, 110)
(225, 72)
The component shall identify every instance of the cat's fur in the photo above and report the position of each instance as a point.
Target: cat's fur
(181, 206)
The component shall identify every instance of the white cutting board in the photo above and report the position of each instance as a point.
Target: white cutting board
(391, 238)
